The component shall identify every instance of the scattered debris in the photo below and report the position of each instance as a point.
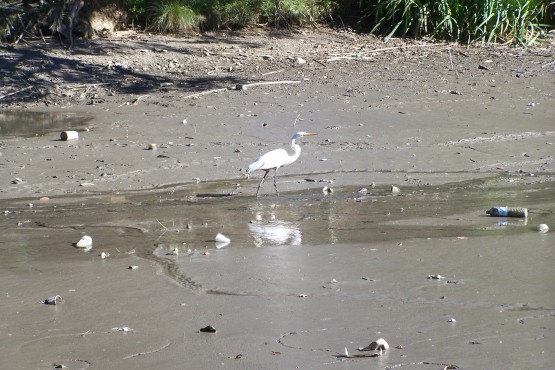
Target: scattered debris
(122, 328)
(221, 240)
(53, 300)
(84, 242)
(360, 355)
(435, 277)
(542, 228)
(507, 212)
(69, 135)
(174, 252)
(380, 344)
(208, 329)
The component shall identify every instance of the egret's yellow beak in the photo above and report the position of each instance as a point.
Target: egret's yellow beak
(310, 134)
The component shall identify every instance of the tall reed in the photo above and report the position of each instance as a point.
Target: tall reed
(471, 20)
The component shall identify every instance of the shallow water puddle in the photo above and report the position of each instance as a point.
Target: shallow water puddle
(190, 219)
(28, 124)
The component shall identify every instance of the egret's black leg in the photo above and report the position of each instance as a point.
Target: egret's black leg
(261, 181)
(275, 185)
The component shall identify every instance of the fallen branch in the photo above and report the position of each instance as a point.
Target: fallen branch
(89, 85)
(272, 72)
(204, 93)
(16, 92)
(240, 87)
(271, 83)
(382, 50)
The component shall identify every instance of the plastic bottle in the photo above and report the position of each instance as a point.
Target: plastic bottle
(508, 212)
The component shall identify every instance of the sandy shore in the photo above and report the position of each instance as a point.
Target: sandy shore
(306, 275)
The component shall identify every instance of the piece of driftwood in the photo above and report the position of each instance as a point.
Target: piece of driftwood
(362, 57)
(271, 83)
(205, 93)
(16, 92)
(240, 87)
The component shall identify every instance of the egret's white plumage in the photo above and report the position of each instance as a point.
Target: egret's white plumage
(277, 158)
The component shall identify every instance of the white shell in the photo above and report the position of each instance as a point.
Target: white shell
(542, 228)
(395, 189)
(221, 238)
(85, 242)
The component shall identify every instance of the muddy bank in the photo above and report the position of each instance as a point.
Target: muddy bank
(306, 275)
(409, 109)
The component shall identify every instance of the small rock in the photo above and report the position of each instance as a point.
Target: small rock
(395, 189)
(301, 60)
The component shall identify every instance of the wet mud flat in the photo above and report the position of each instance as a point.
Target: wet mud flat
(305, 275)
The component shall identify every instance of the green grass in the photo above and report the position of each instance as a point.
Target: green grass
(173, 16)
(485, 21)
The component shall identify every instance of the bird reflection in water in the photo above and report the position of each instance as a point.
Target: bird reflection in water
(274, 232)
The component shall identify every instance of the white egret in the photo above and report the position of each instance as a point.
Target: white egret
(277, 158)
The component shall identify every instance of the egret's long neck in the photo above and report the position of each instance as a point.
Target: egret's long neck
(296, 149)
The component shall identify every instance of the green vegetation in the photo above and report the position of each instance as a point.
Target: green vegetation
(172, 16)
(466, 21)
(487, 21)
